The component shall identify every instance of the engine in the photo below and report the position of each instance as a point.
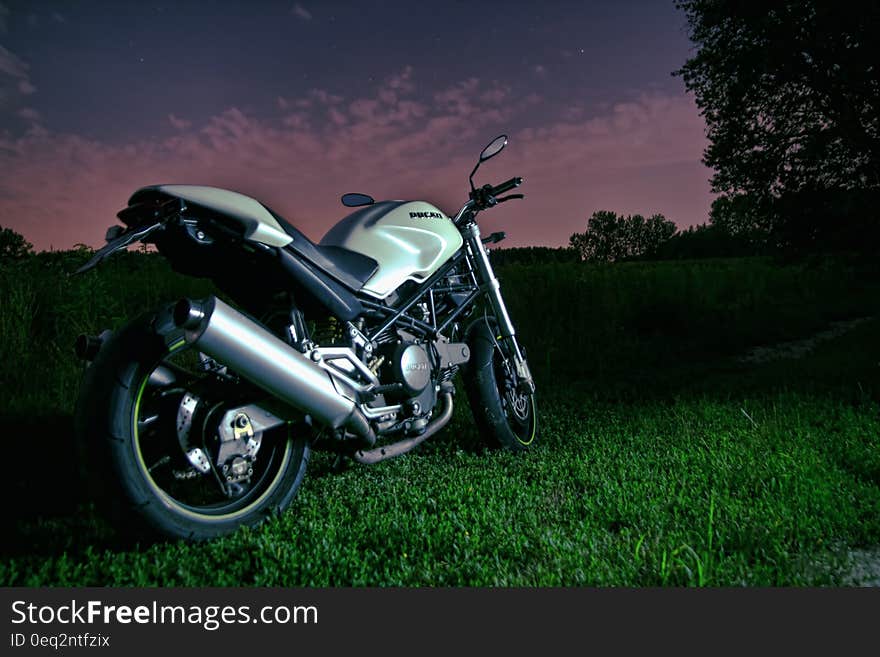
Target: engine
(411, 368)
(395, 378)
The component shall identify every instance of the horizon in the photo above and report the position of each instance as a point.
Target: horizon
(297, 103)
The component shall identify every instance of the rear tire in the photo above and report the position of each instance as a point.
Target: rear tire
(504, 418)
(113, 391)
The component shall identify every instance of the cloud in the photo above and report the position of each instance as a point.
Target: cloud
(402, 81)
(311, 99)
(639, 155)
(178, 123)
(459, 99)
(301, 12)
(15, 83)
(12, 65)
(321, 97)
(495, 94)
(573, 113)
(539, 70)
(337, 117)
(58, 18)
(29, 114)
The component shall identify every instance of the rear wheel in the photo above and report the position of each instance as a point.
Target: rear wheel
(505, 416)
(154, 416)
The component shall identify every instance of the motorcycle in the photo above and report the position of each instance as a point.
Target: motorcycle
(206, 410)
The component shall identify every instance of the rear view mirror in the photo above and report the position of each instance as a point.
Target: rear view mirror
(355, 200)
(494, 147)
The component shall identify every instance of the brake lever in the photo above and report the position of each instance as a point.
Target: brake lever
(509, 197)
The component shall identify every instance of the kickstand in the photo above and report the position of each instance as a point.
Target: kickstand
(341, 463)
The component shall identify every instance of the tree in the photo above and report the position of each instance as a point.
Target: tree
(704, 241)
(742, 218)
(791, 96)
(657, 231)
(603, 239)
(610, 237)
(13, 245)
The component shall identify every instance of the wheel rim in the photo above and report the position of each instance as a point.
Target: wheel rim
(197, 497)
(519, 409)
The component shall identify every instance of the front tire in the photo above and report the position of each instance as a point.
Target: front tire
(116, 400)
(506, 418)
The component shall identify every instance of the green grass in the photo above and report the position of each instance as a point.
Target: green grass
(685, 468)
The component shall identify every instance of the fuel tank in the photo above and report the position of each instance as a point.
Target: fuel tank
(409, 239)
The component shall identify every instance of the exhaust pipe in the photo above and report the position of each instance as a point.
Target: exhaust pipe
(87, 346)
(226, 335)
(402, 447)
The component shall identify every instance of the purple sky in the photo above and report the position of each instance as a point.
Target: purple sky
(295, 103)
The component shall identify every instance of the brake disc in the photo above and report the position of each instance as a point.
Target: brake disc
(185, 413)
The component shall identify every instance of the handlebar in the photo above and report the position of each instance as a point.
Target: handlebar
(487, 195)
(516, 181)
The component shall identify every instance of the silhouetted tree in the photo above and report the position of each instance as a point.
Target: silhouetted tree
(744, 219)
(610, 237)
(658, 230)
(704, 241)
(13, 245)
(791, 96)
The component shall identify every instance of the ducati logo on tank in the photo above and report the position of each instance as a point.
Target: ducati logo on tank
(425, 215)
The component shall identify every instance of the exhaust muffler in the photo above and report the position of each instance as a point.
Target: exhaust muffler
(88, 346)
(226, 335)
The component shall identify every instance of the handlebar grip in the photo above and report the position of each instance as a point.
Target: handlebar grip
(507, 186)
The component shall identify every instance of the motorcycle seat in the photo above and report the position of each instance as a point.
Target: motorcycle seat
(262, 225)
(350, 268)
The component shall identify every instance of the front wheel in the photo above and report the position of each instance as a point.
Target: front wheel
(505, 416)
(146, 400)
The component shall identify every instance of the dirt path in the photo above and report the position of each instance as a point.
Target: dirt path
(864, 568)
(799, 348)
(864, 565)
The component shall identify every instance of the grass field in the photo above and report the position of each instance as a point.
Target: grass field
(663, 459)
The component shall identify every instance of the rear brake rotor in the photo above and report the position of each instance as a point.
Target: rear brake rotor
(185, 414)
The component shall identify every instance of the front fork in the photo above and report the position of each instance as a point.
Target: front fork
(492, 288)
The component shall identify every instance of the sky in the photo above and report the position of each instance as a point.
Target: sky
(296, 103)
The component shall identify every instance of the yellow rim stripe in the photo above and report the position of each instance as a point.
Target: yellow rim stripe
(534, 424)
(168, 500)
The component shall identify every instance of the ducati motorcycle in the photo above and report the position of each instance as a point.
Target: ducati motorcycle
(205, 410)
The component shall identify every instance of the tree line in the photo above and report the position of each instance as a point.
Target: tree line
(612, 237)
